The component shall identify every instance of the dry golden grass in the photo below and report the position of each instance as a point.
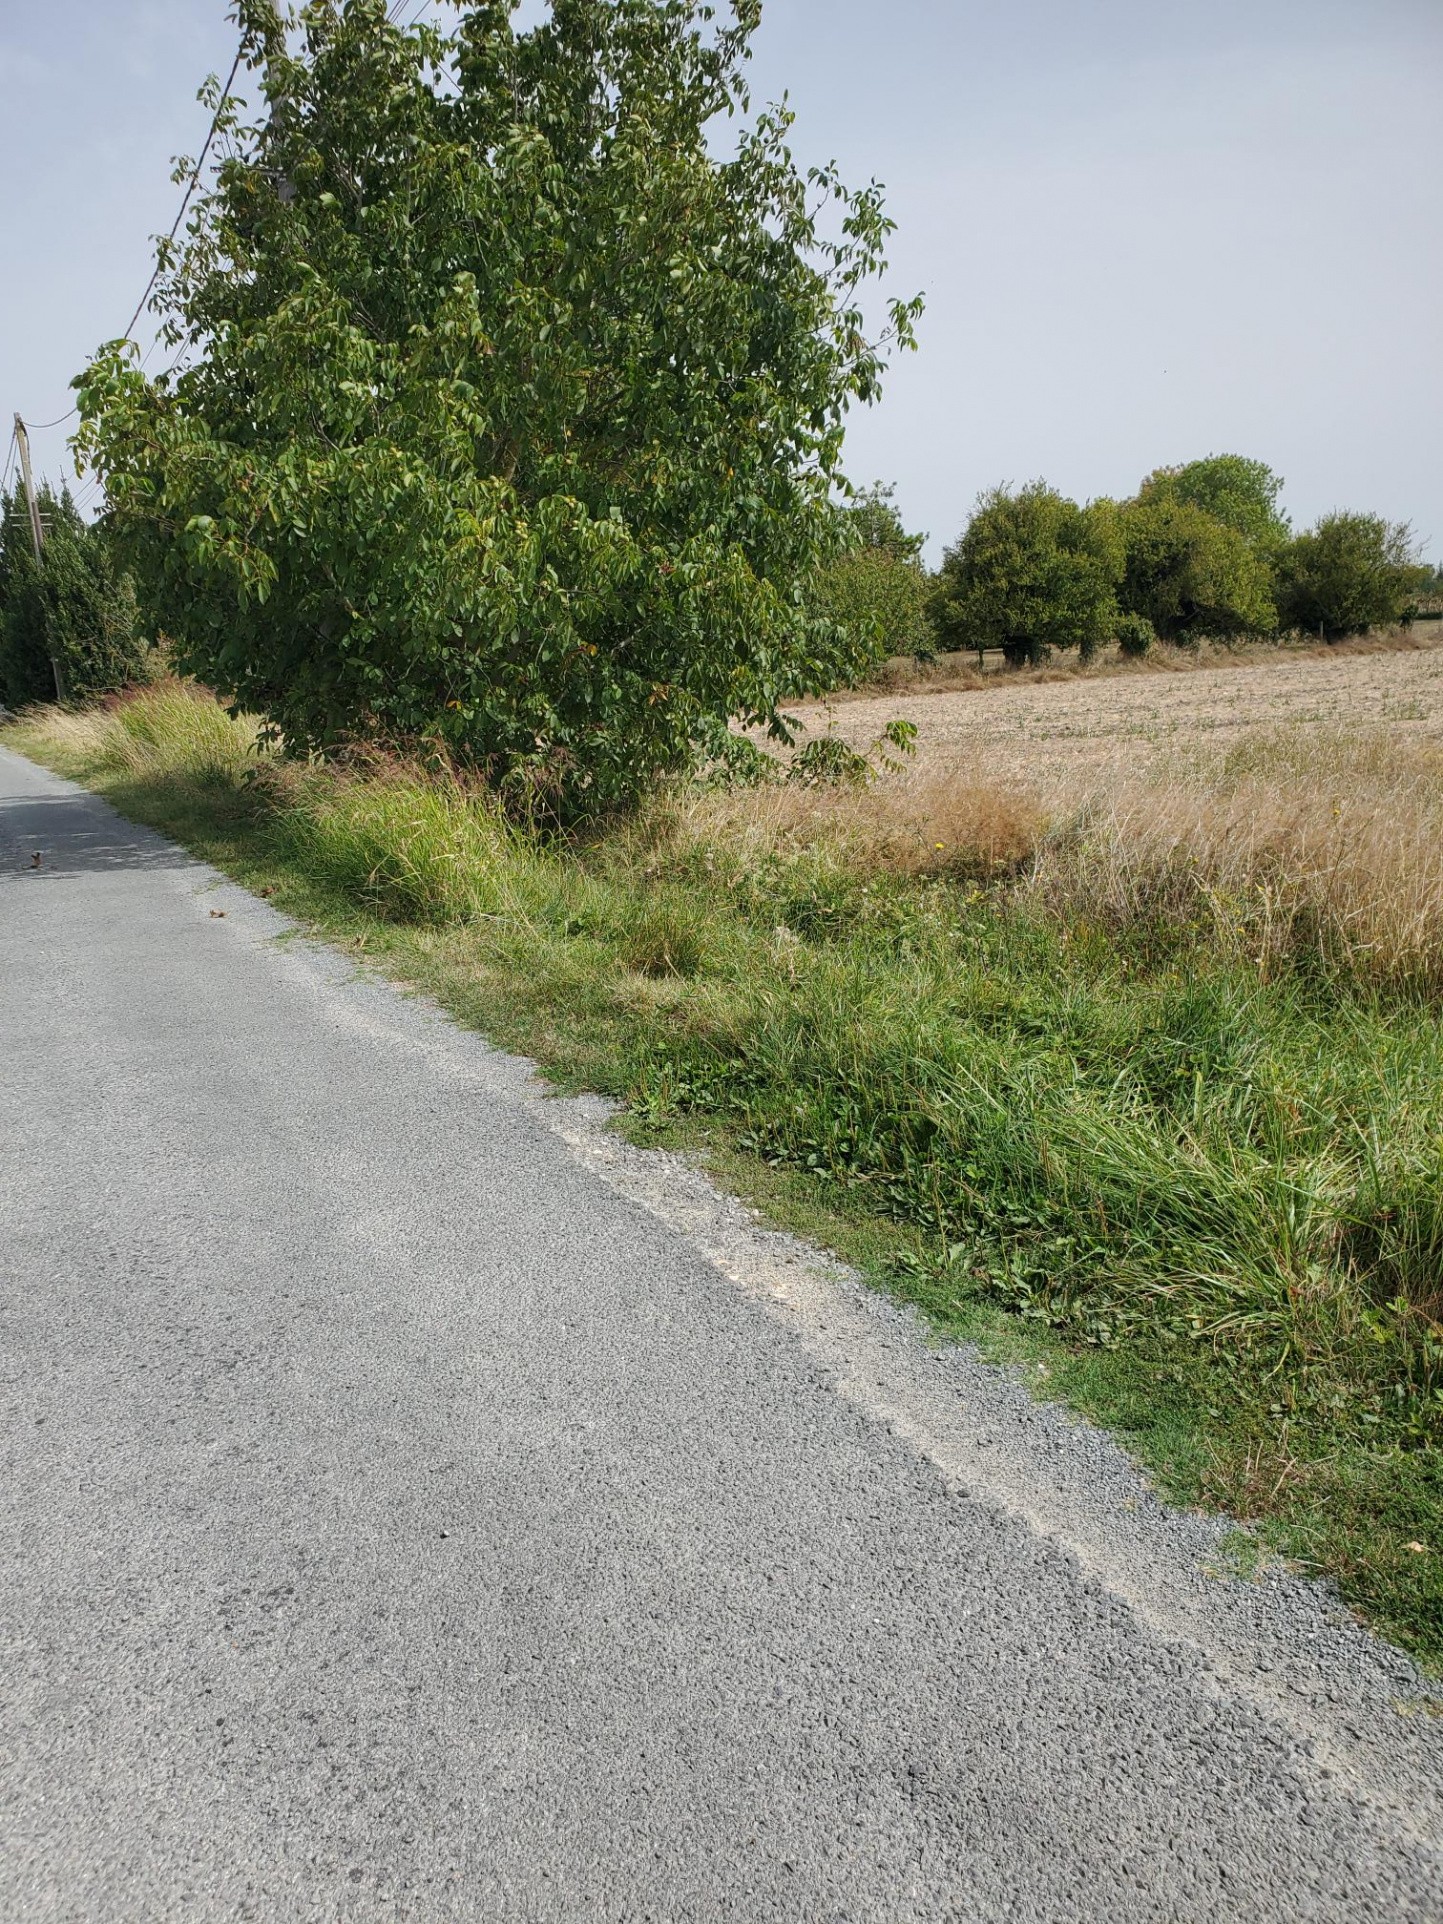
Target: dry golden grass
(167, 728)
(1329, 842)
(908, 824)
(1293, 810)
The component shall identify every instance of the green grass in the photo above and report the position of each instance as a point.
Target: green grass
(1203, 1206)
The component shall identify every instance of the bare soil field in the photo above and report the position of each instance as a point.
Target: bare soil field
(1026, 729)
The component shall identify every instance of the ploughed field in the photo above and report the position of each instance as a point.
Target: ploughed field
(1040, 727)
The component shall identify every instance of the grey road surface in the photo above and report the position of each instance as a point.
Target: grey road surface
(418, 1505)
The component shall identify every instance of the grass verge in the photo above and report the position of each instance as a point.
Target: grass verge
(1192, 1183)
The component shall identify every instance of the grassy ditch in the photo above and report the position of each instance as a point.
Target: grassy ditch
(1144, 1091)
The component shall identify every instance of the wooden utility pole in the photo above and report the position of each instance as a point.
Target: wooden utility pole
(37, 531)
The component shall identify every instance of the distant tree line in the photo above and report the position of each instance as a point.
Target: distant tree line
(69, 624)
(1200, 552)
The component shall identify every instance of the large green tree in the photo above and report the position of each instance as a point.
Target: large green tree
(513, 408)
(1239, 492)
(68, 623)
(1190, 574)
(1350, 573)
(1032, 571)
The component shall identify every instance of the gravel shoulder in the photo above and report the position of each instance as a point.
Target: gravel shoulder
(422, 1504)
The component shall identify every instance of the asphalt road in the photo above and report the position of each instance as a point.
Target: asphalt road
(417, 1506)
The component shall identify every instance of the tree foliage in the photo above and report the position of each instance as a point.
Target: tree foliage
(1241, 493)
(1349, 573)
(1032, 571)
(1190, 574)
(874, 523)
(513, 414)
(877, 588)
(75, 611)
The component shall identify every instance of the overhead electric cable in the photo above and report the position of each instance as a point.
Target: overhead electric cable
(190, 184)
(175, 224)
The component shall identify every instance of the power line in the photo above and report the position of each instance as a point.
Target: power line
(175, 224)
(393, 14)
(190, 185)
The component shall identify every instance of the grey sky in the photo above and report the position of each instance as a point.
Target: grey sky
(1148, 230)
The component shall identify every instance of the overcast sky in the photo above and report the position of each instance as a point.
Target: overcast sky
(1147, 229)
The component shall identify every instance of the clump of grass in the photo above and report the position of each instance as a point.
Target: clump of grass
(170, 730)
(412, 846)
(663, 940)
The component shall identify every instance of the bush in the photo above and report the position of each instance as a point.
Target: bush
(1133, 634)
(1032, 571)
(1350, 573)
(877, 589)
(1240, 493)
(882, 603)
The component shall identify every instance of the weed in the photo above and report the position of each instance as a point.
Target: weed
(662, 940)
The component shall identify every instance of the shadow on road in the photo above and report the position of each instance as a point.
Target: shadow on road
(74, 835)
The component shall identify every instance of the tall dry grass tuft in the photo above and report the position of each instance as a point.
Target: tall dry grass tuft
(411, 844)
(960, 824)
(1288, 847)
(169, 730)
